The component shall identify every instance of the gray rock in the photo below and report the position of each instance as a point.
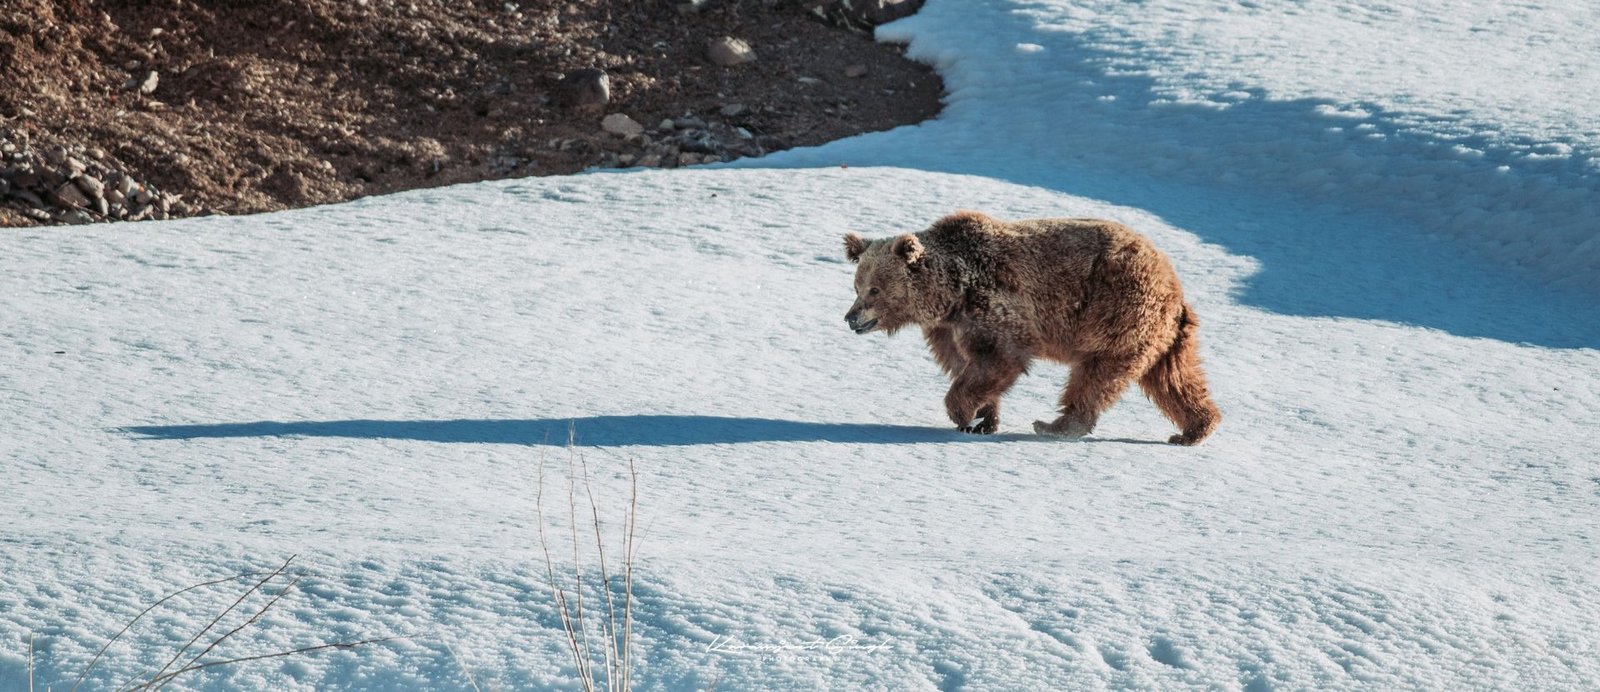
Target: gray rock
(68, 195)
(37, 214)
(728, 51)
(855, 71)
(125, 184)
(27, 197)
(56, 155)
(585, 89)
(74, 217)
(621, 125)
(734, 110)
(101, 207)
(5, 187)
(90, 185)
(688, 122)
(697, 141)
(147, 86)
(666, 125)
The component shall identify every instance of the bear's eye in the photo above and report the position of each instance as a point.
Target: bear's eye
(872, 291)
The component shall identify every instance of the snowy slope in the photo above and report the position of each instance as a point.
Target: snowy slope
(1401, 494)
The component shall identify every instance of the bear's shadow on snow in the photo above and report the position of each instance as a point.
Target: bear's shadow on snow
(593, 431)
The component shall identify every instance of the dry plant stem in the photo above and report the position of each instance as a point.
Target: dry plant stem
(462, 664)
(85, 674)
(223, 614)
(608, 626)
(30, 662)
(280, 654)
(587, 666)
(550, 570)
(219, 640)
(627, 571)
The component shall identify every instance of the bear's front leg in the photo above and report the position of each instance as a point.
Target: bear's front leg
(971, 416)
(973, 402)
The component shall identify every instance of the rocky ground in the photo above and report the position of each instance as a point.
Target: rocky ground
(138, 109)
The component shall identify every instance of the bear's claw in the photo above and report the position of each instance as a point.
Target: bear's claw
(983, 426)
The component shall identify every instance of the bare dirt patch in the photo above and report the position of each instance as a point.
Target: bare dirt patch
(128, 109)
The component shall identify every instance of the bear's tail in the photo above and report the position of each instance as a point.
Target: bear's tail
(1178, 387)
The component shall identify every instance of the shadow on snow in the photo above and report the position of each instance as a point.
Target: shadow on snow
(592, 431)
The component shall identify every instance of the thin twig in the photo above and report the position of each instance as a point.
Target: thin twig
(280, 654)
(85, 674)
(471, 680)
(223, 614)
(229, 633)
(30, 662)
(586, 665)
(608, 627)
(627, 566)
(550, 569)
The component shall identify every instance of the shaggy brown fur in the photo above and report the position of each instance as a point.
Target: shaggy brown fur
(990, 296)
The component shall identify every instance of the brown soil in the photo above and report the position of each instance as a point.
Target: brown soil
(267, 104)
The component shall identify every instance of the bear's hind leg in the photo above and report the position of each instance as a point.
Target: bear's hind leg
(1093, 387)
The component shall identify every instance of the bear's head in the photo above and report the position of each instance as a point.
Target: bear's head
(886, 294)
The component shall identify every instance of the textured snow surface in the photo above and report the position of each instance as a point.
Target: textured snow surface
(1402, 494)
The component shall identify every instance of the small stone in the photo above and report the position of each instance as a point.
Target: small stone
(650, 161)
(743, 133)
(37, 214)
(56, 155)
(585, 89)
(688, 159)
(115, 196)
(5, 187)
(666, 125)
(622, 125)
(96, 153)
(855, 71)
(734, 110)
(70, 196)
(690, 6)
(148, 85)
(125, 184)
(808, 80)
(131, 65)
(625, 160)
(728, 51)
(688, 122)
(101, 207)
(74, 167)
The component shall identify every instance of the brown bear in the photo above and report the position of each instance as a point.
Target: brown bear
(991, 295)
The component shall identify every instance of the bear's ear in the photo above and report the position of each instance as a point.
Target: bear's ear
(908, 248)
(854, 245)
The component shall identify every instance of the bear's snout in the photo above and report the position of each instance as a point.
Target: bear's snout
(853, 318)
